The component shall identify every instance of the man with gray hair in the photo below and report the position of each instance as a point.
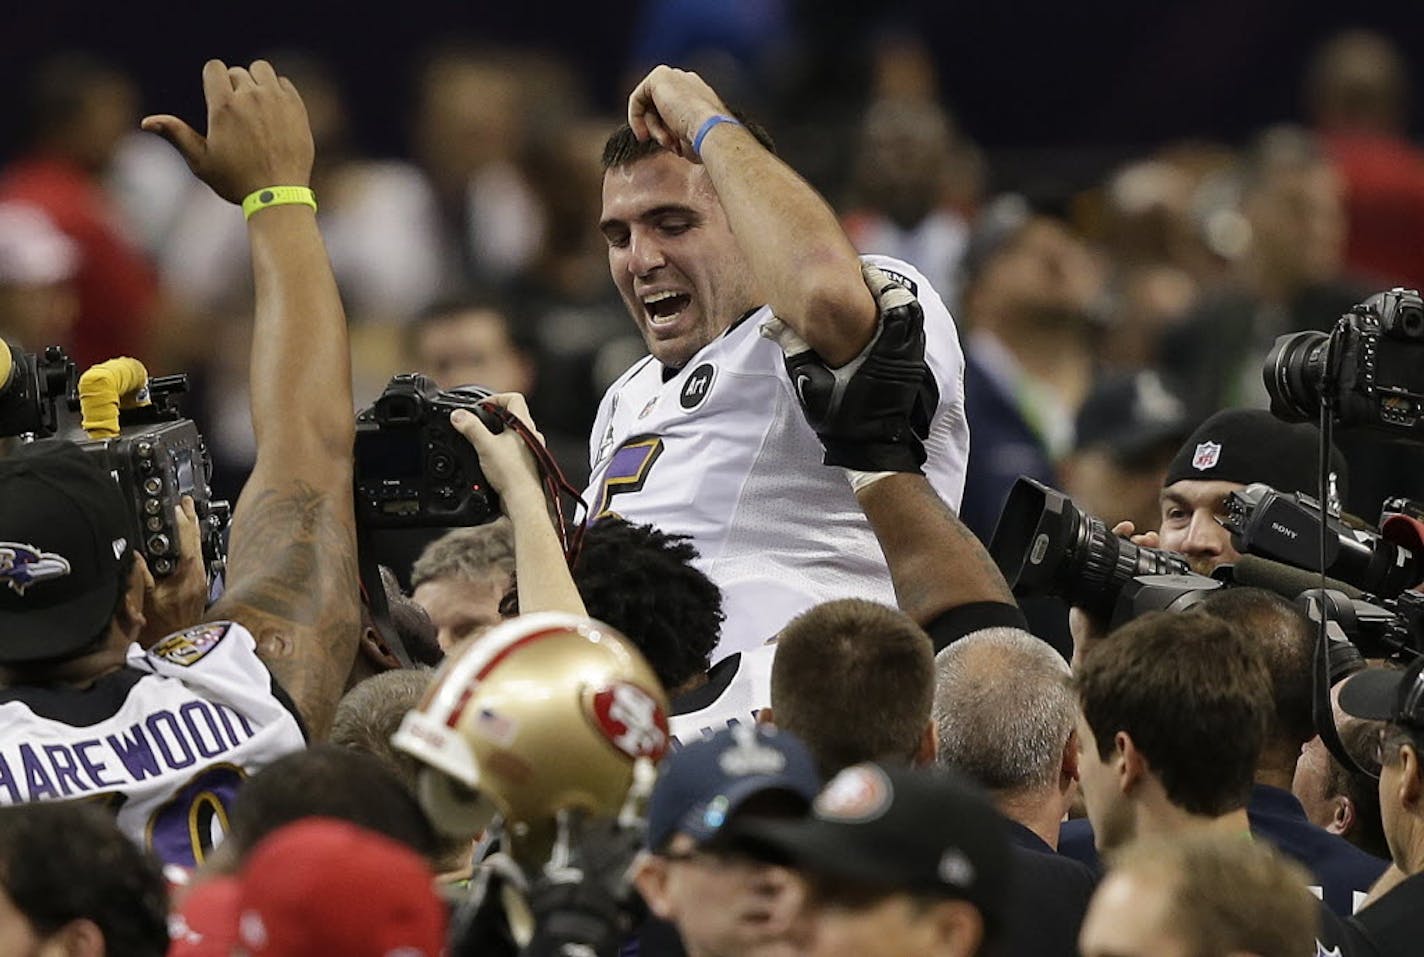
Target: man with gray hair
(1005, 717)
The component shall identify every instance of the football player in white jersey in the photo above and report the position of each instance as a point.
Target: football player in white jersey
(865, 414)
(710, 236)
(164, 731)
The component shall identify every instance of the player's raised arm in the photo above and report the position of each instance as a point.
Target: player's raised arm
(803, 262)
(291, 577)
(871, 417)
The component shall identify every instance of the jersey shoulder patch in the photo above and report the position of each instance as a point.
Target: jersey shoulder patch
(189, 647)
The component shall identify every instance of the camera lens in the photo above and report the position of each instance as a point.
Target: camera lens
(1101, 563)
(1293, 373)
(1046, 545)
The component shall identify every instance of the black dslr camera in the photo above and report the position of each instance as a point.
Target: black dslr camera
(413, 470)
(1370, 367)
(156, 458)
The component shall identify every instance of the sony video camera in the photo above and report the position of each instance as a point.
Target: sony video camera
(157, 457)
(413, 469)
(1370, 368)
(1286, 527)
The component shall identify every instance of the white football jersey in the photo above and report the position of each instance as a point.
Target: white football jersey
(164, 742)
(737, 688)
(721, 452)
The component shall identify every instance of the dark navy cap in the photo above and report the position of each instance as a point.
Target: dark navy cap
(1386, 694)
(63, 535)
(703, 784)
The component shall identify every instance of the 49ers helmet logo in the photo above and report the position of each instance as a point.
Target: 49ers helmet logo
(631, 720)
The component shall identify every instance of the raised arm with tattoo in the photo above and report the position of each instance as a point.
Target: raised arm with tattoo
(291, 576)
(803, 262)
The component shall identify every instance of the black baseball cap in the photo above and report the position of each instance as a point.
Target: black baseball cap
(1386, 694)
(1132, 416)
(917, 831)
(63, 534)
(1251, 445)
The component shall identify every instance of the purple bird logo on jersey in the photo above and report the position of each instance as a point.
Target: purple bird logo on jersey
(23, 565)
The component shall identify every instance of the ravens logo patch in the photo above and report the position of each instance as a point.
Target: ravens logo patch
(188, 647)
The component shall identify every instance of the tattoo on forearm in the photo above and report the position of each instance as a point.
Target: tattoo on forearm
(293, 573)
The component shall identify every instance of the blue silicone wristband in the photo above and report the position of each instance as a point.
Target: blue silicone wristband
(707, 127)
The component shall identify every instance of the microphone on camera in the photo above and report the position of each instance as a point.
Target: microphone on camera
(1285, 580)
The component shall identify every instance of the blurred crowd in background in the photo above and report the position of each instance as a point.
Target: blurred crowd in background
(1099, 322)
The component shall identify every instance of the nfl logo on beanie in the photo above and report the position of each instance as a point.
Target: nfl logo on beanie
(1206, 456)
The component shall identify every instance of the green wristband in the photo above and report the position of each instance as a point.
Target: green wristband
(268, 196)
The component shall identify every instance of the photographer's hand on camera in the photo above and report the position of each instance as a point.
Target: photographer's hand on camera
(257, 136)
(177, 602)
(505, 459)
(541, 568)
(1085, 627)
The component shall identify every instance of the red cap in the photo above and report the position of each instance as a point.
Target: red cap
(205, 924)
(321, 886)
(1405, 531)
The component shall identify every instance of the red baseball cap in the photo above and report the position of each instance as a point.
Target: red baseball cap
(322, 886)
(205, 923)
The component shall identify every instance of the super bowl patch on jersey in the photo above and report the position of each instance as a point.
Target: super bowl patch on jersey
(188, 647)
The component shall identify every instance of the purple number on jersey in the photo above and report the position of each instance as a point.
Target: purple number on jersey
(181, 830)
(627, 471)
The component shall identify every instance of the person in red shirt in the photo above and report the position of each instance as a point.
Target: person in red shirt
(1357, 91)
(80, 109)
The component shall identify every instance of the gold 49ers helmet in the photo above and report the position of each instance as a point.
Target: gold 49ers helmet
(544, 713)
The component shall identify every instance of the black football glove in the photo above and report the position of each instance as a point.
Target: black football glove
(586, 906)
(873, 413)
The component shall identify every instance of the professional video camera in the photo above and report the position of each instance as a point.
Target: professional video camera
(1046, 545)
(1370, 368)
(29, 387)
(1286, 527)
(156, 458)
(413, 470)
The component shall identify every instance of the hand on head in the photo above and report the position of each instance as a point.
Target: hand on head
(671, 106)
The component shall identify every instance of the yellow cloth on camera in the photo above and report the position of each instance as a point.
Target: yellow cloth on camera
(107, 387)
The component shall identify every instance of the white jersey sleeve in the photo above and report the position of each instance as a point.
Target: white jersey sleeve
(165, 742)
